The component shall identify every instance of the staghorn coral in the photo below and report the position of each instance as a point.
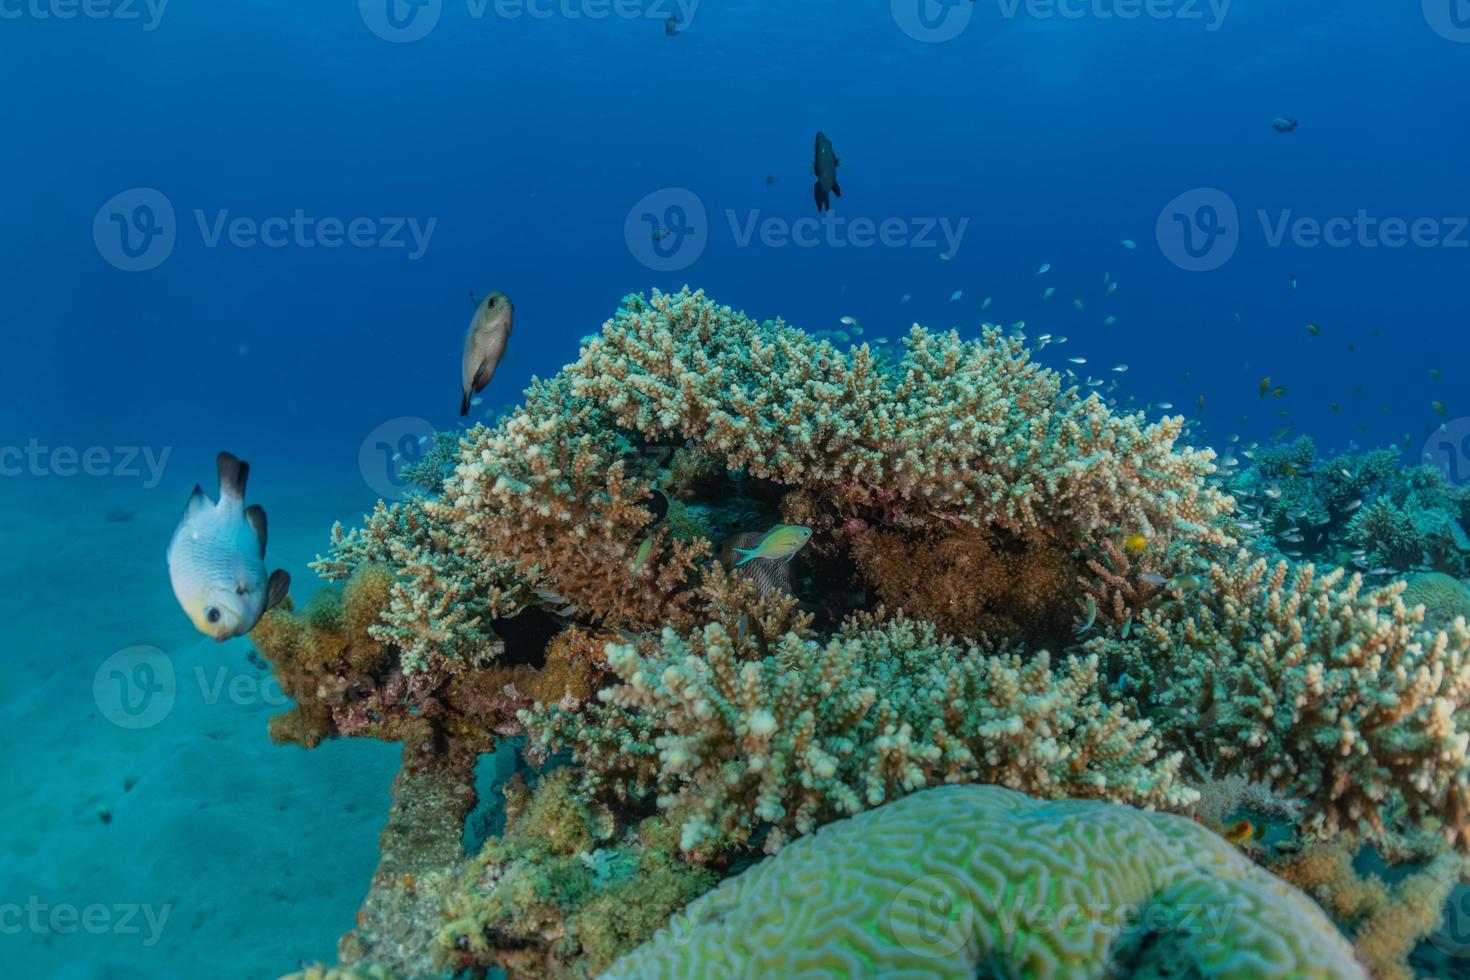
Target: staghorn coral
(346, 680)
(972, 432)
(965, 881)
(1385, 923)
(562, 893)
(735, 740)
(548, 491)
(442, 602)
(1414, 524)
(1313, 685)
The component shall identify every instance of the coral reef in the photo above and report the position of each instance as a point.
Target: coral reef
(1006, 582)
(1385, 922)
(978, 880)
(1313, 685)
(562, 893)
(737, 739)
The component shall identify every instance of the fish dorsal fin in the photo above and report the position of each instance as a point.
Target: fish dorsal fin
(198, 500)
(233, 472)
(255, 514)
(276, 588)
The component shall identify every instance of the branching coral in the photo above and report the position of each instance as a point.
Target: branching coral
(1313, 685)
(442, 601)
(1385, 922)
(966, 881)
(735, 741)
(973, 432)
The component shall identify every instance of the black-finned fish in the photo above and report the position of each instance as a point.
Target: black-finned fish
(484, 345)
(216, 559)
(824, 166)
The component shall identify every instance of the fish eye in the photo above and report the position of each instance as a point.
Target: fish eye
(212, 614)
(491, 301)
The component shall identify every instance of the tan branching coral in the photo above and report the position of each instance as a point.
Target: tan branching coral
(966, 431)
(1385, 922)
(442, 601)
(735, 742)
(548, 491)
(1315, 686)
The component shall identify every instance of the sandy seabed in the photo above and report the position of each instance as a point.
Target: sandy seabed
(151, 829)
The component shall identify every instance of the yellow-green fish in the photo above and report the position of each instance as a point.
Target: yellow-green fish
(1439, 408)
(779, 544)
(1314, 330)
(1091, 616)
(1265, 386)
(216, 560)
(641, 555)
(1135, 543)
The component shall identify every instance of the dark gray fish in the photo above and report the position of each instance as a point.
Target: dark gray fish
(1283, 125)
(484, 345)
(824, 165)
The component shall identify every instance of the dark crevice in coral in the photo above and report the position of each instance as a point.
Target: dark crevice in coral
(525, 636)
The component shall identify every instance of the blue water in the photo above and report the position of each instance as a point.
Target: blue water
(523, 145)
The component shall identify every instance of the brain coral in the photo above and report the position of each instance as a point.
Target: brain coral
(963, 881)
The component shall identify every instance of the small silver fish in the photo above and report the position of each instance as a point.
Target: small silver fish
(216, 559)
(484, 345)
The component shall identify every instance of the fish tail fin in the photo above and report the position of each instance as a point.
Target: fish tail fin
(746, 554)
(820, 196)
(276, 588)
(836, 188)
(464, 404)
(233, 472)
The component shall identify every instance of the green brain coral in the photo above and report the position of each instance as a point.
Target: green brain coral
(966, 881)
